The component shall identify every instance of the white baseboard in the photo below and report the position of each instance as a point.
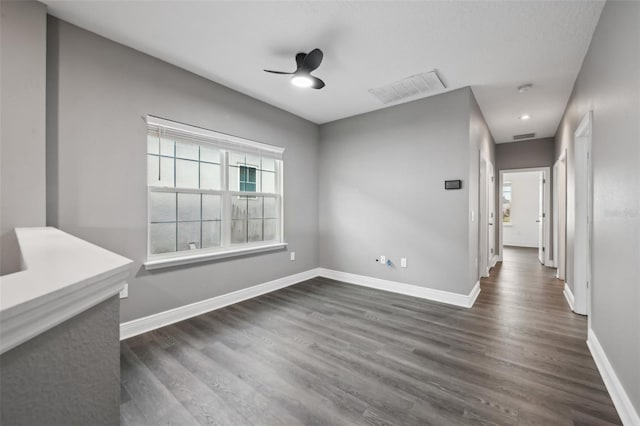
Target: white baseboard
(161, 319)
(494, 260)
(568, 295)
(406, 289)
(520, 244)
(621, 400)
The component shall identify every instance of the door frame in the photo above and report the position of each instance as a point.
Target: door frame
(583, 221)
(546, 210)
(487, 219)
(560, 217)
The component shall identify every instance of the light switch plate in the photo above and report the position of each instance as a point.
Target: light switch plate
(383, 260)
(292, 255)
(403, 262)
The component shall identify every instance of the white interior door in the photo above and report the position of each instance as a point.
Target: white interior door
(541, 218)
(491, 209)
(582, 211)
(561, 222)
(483, 221)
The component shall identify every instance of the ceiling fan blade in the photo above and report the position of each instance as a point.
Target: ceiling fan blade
(278, 72)
(312, 60)
(300, 60)
(317, 83)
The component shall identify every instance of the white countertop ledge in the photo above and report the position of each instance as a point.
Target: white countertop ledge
(61, 276)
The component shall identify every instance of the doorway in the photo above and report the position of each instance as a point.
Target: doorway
(582, 212)
(524, 219)
(560, 216)
(487, 249)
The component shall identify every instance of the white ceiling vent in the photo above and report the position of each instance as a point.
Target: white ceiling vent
(427, 83)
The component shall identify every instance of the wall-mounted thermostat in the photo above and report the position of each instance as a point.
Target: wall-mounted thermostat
(452, 184)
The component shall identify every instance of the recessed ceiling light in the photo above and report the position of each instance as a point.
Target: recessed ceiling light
(525, 117)
(523, 88)
(301, 81)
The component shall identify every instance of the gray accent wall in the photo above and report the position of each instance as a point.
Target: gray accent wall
(525, 154)
(98, 92)
(69, 375)
(609, 85)
(22, 145)
(382, 192)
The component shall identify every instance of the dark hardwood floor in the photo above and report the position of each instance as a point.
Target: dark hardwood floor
(327, 353)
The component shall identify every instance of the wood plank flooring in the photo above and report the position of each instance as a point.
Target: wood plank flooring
(328, 353)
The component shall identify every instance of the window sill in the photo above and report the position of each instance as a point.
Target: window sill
(203, 257)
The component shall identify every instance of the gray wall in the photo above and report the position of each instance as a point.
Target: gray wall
(525, 154)
(98, 91)
(22, 145)
(69, 375)
(609, 84)
(382, 192)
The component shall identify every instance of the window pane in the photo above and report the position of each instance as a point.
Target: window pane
(211, 234)
(162, 207)
(270, 229)
(188, 236)
(187, 150)
(153, 170)
(166, 172)
(211, 207)
(238, 231)
(153, 144)
(238, 207)
(162, 237)
(159, 171)
(255, 207)
(188, 207)
(234, 179)
(209, 154)
(186, 174)
(270, 208)
(269, 182)
(209, 176)
(268, 164)
(166, 147)
(255, 230)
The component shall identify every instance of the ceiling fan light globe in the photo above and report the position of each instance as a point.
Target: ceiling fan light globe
(301, 81)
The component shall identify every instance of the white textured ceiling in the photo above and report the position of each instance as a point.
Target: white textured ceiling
(492, 46)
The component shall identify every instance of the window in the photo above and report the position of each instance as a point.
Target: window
(210, 195)
(506, 203)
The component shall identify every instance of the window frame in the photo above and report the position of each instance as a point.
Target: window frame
(225, 144)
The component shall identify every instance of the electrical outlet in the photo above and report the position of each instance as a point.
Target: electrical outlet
(403, 262)
(292, 255)
(383, 260)
(124, 293)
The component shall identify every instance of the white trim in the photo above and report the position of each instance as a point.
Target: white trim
(223, 140)
(621, 400)
(547, 210)
(142, 325)
(64, 276)
(152, 322)
(568, 295)
(204, 256)
(494, 260)
(456, 299)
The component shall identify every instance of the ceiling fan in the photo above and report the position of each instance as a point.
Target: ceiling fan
(306, 63)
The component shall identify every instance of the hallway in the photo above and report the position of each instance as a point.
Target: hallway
(542, 343)
(324, 352)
